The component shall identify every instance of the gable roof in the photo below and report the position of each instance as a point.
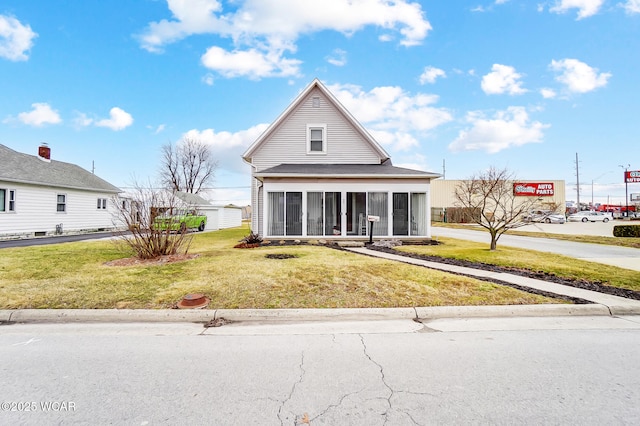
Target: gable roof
(192, 199)
(29, 169)
(379, 171)
(384, 156)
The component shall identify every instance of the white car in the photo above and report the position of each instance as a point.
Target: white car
(546, 216)
(589, 217)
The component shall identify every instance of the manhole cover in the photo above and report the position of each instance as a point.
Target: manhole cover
(193, 301)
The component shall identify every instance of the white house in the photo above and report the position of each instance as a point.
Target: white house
(40, 196)
(317, 172)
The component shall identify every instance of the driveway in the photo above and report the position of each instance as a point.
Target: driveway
(54, 240)
(622, 257)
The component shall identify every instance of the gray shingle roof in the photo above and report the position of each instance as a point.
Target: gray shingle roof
(344, 170)
(23, 168)
(193, 199)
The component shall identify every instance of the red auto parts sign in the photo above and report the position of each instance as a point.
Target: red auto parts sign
(533, 189)
(632, 176)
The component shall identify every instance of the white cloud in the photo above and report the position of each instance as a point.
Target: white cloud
(228, 147)
(415, 162)
(118, 119)
(393, 116)
(585, 8)
(631, 6)
(82, 120)
(40, 115)
(159, 129)
(264, 30)
(430, 74)
(250, 63)
(508, 128)
(502, 79)
(578, 76)
(16, 39)
(208, 79)
(548, 93)
(338, 58)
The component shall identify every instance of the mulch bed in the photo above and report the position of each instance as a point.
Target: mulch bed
(538, 275)
(162, 260)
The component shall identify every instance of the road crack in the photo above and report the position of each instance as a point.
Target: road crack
(293, 389)
(382, 377)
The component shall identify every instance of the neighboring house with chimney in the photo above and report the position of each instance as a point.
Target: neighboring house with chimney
(316, 172)
(40, 196)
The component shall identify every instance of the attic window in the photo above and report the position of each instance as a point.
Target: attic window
(316, 138)
(315, 102)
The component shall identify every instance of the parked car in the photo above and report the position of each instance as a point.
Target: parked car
(589, 217)
(546, 216)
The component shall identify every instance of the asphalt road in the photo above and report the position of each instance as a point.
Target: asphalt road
(54, 240)
(570, 370)
(623, 257)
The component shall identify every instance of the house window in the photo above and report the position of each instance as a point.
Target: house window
(61, 205)
(316, 139)
(285, 213)
(7, 200)
(102, 203)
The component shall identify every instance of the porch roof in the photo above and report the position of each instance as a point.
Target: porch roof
(373, 171)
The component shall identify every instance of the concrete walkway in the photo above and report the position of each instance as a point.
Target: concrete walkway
(616, 305)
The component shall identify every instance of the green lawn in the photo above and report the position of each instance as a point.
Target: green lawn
(559, 265)
(74, 275)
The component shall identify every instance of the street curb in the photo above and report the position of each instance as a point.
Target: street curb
(512, 311)
(339, 314)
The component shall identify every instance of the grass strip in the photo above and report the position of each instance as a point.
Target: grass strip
(549, 263)
(75, 275)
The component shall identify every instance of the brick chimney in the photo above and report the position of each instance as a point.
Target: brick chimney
(44, 152)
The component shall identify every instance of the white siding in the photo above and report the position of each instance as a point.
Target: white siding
(35, 210)
(288, 143)
(212, 217)
(230, 217)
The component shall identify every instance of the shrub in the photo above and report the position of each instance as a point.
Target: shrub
(137, 213)
(252, 238)
(626, 231)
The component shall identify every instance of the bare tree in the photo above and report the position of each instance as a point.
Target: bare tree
(187, 167)
(136, 216)
(488, 199)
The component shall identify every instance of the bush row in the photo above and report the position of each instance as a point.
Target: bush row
(626, 231)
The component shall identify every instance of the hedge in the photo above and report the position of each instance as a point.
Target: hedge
(626, 231)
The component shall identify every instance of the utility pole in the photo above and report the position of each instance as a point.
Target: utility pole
(578, 181)
(443, 169)
(626, 190)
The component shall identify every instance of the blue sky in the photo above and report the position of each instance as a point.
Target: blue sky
(506, 83)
